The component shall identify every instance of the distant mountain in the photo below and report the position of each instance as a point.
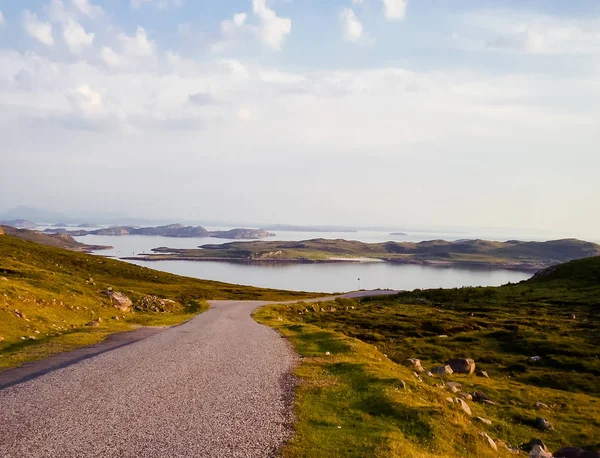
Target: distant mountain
(290, 227)
(36, 215)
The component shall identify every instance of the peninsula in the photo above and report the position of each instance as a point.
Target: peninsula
(171, 230)
(513, 254)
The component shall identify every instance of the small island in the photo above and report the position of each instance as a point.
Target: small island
(171, 230)
(54, 240)
(513, 254)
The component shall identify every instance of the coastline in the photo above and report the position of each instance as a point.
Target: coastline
(523, 267)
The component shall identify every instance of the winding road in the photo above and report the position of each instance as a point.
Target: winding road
(220, 385)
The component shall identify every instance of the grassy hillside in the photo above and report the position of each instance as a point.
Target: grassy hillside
(360, 385)
(511, 254)
(49, 298)
(54, 240)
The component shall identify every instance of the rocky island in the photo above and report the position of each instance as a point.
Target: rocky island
(170, 230)
(513, 254)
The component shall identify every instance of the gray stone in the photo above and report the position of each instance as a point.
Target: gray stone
(462, 365)
(542, 424)
(442, 370)
(414, 364)
(538, 452)
(463, 405)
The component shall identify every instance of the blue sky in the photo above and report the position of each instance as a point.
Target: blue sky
(406, 112)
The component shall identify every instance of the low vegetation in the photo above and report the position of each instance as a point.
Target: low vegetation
(53, 300)
(512, 254)
(538, 341)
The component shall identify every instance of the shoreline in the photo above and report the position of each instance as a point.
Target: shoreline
(528, 268)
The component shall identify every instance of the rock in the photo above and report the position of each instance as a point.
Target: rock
(453, 389)
(451, 385)
(1, 339)
(488, 402)
(99, 320)
(93, 324)
(465, 396)
(450, 400)
(542, 424)
(538, 452)
(116, 317)
(463, 405)
(483, 374)
(574, 452)
(414, 364)
(480, 397)
(484, 420)
(120, 301)
(489, 440)
(442, 370)
(502, 444)
(535, 358)
(541, 405)
(403, 385)
(155, 304)
(429, 374)
(572, 316)
(533, 442)
(4, 279)
(462, 365)
(327, 353)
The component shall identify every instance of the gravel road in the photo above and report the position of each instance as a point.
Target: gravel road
(217, 386)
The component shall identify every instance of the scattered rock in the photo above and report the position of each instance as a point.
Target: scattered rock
(463, 405)
(484, 420)
(19, 314)
(478, 396)
(156, 304)
(489, 440)
(533, 442)
(542, 424)
(541, 405)
(572, 316)
(116, 317)
(462, 365)
(453, 389)
(450, 400)
(488, 402)
(93, 324)
(465, 396)
(538, 452)
(451, 385)
(442, 370)
(119, 301)
(429, 374)
(327, 353)
(99, 320)
(414, 364)
(4, 279)
(535, 358)
(1, 339)
(483, 374)
(574, 452)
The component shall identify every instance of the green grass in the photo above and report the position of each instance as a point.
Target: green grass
(511, 254)
(50, 288)
(358, 387)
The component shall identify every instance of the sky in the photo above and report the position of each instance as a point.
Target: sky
(409, 113)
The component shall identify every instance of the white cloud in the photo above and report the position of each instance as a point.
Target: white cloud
(160, 4)
(235, 67)
(110, 57)
(91, 97)
(138, 45)
(87, 8)
(230, 29)
(76, 37)
(352, 29)
(278, 77)
(1, 18)
(273, 29)
(41, 31)
(395, 9)
(531, 33)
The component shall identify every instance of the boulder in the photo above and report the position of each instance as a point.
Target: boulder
(484, 420)
(480, 397)
(442, 370)
(574, 452)
(414, 364)
(120, 301)
(465, 396)
(463, 405)
(489, 440)
(542, 424)
(462, 365)
(532, 443)
(538, 452)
